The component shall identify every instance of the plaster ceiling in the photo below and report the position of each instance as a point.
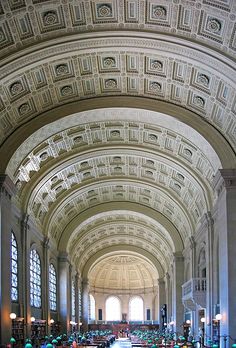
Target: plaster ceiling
(110, 105)
(123, 272)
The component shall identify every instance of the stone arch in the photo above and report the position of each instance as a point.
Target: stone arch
(161, 219)
(224, 150)
(119, 248)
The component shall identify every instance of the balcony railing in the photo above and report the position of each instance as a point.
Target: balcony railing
(194, 292)
(193, 285)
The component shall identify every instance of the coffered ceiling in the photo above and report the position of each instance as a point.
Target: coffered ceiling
(110, 106)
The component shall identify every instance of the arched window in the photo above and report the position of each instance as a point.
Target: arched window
(80, 305)
(136, 308)
(52, 288)
(73, 299)
(35, 279)
(14, 268)
(91, 307)
(113, 308)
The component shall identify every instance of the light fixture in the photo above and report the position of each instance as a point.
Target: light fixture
(172, 323)
(51, 321)
(203, 320)
(218, 316)
(188, 321)
(13, 316)
(32, 319)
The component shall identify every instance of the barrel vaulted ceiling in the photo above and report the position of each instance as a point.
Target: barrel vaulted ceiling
(114, 119)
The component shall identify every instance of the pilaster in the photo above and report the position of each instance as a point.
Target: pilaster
(209, 272)
(178, 280)
(25, 274)
(7, 189)
(64, 293)
(85, 304)
(225, 227)
(162, 297)
(45, 282)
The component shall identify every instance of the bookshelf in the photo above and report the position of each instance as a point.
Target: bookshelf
(38, 330)
(55, 328)
(18, 331)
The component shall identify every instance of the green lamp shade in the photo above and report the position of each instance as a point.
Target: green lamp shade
(215, 345)
(12, 340)
(54, 341)
(234, 345)
(28, 345)
(49, 345)
(176, 346)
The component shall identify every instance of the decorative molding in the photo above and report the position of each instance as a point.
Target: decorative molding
(7, 186)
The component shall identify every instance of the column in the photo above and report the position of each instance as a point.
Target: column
(194, 308)
(209, 273)
(45, 285)
(168, 296)
(225, 227)
(7, 189)
(162, 299)
(64, 292)
(192, 244)
(77, 299)
(25, 285)
(178, 280)
(85, 304)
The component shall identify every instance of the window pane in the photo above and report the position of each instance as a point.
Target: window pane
(73, 299)
(136, 308)
(80, 305)
(14, 269)
(52, 288)
(113, 310)
(35, 279)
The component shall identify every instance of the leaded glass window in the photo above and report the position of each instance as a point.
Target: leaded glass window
(73, 299)
(52, 288)
(14, 268)
(80, 305)
(35, 279)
